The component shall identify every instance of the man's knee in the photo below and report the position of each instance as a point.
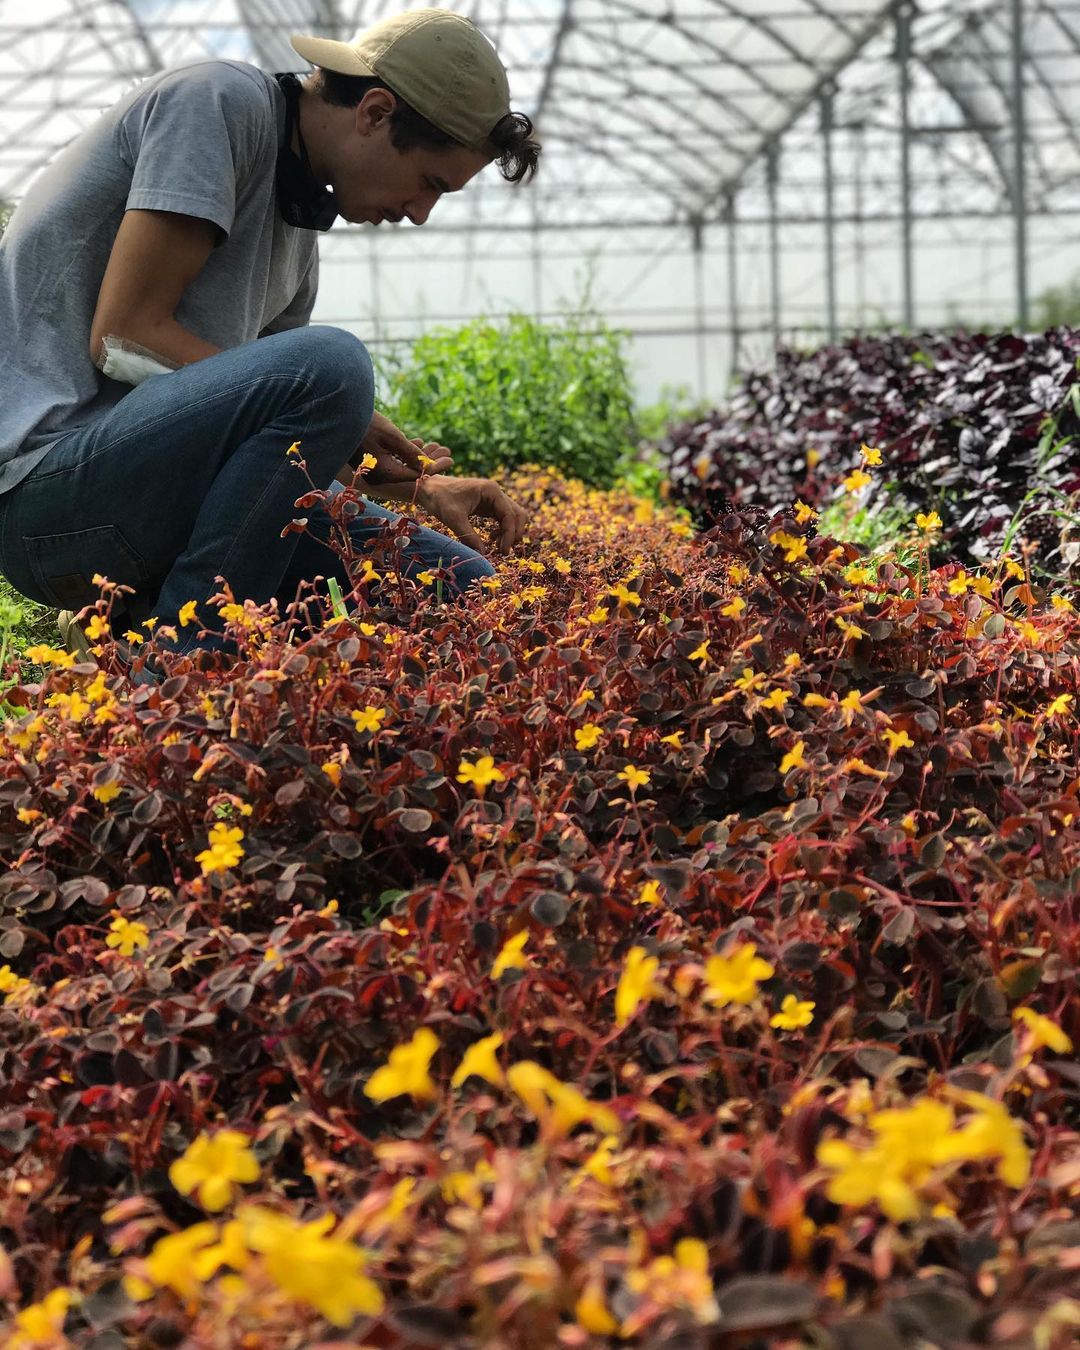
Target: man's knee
(335, 364)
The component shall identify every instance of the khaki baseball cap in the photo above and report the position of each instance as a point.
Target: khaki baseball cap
(439, 62)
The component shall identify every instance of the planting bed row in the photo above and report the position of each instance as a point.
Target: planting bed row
(675, 945)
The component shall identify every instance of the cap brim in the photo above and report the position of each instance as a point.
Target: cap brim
(330, 55)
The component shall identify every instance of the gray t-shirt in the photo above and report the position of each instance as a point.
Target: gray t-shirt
(201, 140)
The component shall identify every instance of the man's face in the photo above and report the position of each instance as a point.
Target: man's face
(377, 182)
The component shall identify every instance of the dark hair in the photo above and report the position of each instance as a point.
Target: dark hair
(516, 150)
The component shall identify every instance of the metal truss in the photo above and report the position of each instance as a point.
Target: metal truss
(735, 126)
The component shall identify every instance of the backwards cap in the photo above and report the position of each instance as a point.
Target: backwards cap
(438, 61)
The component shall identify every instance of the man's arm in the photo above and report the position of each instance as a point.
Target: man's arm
(155, 257)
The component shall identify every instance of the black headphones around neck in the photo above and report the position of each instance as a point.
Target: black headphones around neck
(303, 201)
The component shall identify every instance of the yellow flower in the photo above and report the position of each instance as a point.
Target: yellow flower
(624, 596)
(649, 894)
(311, 1267)
(370, 719)
(213, 1165)
(858, 576)
(187, 613)
(681, 529)
(803, 513)
(50, 656)
(701, 653)
(776, 699)
(960, 583)
(871, 456)
(294, 449)
(737, 574)
(27, 815)
(126, 936)
(750, 680)
(813, 458)
(735, 609)
(794, 1013)
(675, 739)
(224, 849)
(367, 464)
(792, 661)
(1029, 632)
(1063, 603)
(427, 577)
(273, 957)
(863, 1176)
(857, 765)
(491, 583)
(174, 1263)
(586, 736)
(42, 1324)
(1041, 1031)
(982, 586)
(407, 1070)
(598, 1163)
(795, 758)
(511, 955)
(634, 777)
(479, 774)
(896, 740)
(479, 1059)
(8, 979)
(1013, 569)
(369, 573)
(230, 1250)
(96, 628)
(636, 984)
(990, 1133)
(930, 522)
(468, 1187)
(680, 1279)
(558, 1106)
(734, 976)
(856, 480)
(592, 1314)
(794, 546)
(1059, 706)
(851, 631)
(332, 769)
(107, 792)
(852, 703)
(562, 566)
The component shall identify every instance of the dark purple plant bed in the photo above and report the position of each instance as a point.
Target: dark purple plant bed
(965, 423)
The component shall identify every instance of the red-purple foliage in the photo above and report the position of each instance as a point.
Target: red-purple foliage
(915, 894)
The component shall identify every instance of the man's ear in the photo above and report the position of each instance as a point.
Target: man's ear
(373, 110)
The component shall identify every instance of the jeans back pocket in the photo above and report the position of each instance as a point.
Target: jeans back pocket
(63, 565)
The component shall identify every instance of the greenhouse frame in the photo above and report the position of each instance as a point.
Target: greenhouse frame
(717, 174)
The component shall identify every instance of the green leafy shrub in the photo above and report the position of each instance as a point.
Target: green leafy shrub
(519, 392)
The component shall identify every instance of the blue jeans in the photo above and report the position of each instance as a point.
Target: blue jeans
(188, 479)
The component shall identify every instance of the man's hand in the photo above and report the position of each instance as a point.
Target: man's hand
(397, 458)
(454, 500)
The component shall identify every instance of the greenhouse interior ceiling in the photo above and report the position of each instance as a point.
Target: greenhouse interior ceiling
(717, 175)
